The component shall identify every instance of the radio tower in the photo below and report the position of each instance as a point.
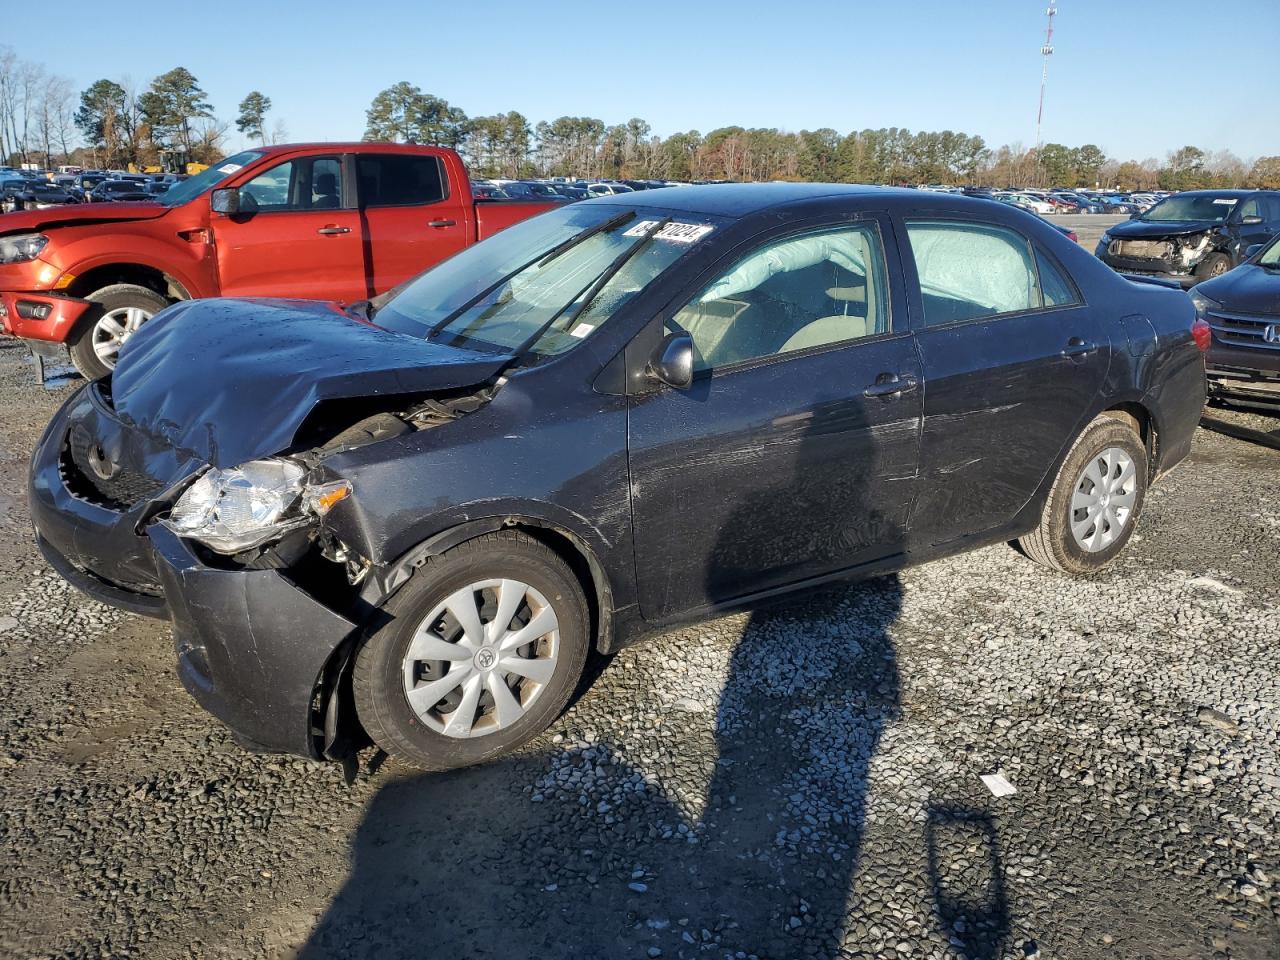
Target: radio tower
(1046, 51)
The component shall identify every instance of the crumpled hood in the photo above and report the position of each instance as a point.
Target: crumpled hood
(233, 380)
(79, 214)
(1246, 289)
(1141, 230)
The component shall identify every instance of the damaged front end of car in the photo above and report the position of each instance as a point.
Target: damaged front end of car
(1175, 256)
(224, 525)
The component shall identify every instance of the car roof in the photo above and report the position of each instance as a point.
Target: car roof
(742, 199)
(1216, 193)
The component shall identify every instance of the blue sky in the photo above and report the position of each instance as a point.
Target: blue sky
(970, 65)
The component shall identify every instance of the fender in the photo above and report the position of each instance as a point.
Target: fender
(380, 586)
(153, 254)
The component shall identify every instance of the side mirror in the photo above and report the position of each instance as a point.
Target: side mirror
(1250, 221)
(225, 200)
(1253, 250)
(672, 361)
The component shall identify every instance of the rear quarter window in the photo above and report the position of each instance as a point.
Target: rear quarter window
(400, 180)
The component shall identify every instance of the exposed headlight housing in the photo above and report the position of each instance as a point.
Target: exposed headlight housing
(243, 507)
(22, 247)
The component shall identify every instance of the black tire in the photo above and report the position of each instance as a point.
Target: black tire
(378, 678)
(1052, 543)
(117, 296)
(1214, 265)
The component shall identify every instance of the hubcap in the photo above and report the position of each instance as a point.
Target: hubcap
(115, 327)
(1104, 497)
(479, 659)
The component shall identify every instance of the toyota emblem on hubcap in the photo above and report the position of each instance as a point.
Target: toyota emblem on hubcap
(486, 658)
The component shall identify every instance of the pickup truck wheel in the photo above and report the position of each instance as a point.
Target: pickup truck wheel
(1214, 265)
(478, 653)
(1095, 501)
(123, 308)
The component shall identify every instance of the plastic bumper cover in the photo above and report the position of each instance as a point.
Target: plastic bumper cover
(251, 646)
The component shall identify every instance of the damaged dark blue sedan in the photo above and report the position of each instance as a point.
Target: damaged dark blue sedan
(411, 519)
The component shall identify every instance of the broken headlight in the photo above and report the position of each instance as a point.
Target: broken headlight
(246, 506)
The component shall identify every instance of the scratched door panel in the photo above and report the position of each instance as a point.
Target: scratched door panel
(1002, 403)
(771, 474)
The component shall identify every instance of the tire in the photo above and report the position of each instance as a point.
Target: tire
(1214, 265)
(385, 671)
(1053, 543)
(127, 306)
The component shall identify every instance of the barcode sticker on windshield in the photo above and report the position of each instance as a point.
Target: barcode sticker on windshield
(581, 330)
(672, 232)
(229, 168)
(1228, 201)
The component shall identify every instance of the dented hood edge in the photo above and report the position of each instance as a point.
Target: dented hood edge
(228, 381)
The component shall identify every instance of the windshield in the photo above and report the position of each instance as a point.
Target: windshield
(1192, 207)
(499, 293)
(1270, 257)
(192, 187)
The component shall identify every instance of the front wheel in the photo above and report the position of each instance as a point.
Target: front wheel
(122, 309)
(480, 651)
(1214, 265)
(1095, 501)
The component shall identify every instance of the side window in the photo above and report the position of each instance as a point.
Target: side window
(793, 294)
(1250, 208)
(399, 180)
(305, 184)
(1058, 291)
(971, 270)
(1271, 206)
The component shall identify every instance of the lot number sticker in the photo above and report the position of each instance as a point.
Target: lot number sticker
(672, 232)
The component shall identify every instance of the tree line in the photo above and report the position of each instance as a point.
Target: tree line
(509, 145)
(115, 122)
(169, 122)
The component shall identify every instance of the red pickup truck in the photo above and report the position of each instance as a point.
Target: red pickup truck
(328, 221)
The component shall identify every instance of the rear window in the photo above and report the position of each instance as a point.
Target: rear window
(399, 180)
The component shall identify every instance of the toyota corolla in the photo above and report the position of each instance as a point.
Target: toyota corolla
(413, 519)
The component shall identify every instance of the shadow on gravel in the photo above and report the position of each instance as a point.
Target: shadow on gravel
(464, 864)
(745, 840)
(966, 879)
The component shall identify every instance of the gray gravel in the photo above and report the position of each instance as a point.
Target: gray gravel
(797, 782)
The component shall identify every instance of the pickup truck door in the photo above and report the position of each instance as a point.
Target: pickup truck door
(298, 234)
(414, 214)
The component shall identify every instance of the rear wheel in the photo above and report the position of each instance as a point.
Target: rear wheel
(481, 651)
(123, 308)
(1095, 502)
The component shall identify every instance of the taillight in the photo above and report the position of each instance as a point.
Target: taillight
(1203, 335)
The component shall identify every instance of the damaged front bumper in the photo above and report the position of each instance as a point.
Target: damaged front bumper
(254, 647)
(254, 650)
(1173, 258)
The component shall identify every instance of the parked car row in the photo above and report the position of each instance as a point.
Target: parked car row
(1062, 200)
(28, 190)
(560, 190)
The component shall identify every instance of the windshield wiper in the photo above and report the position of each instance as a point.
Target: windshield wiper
(591, 293)
(541, 260)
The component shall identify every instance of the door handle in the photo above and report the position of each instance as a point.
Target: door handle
(333, 231)
(890, 385)
(1078, 347)
(441, 223)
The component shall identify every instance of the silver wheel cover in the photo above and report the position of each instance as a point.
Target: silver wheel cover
(1104, 496)
(481, 658)
(115, 327)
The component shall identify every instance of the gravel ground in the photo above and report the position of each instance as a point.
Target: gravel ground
(797, 782)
